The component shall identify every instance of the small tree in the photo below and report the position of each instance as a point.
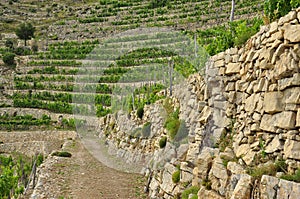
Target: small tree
(9, 59)
(25, 31)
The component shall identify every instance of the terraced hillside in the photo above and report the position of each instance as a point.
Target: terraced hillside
(86, 48)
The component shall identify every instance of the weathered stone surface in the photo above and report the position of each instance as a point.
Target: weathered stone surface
(219, 63)
(267, 123)
(273, 102)
(208, 194)
(243, 188)
(204, 162)
(250, 103)
(287, 18)
(274, 145)
(192, 152)
(285, 120)
(291, 33)
(288, 190)
(273, 27)
(204, 115)
(298, 118)
(287, 82)
(268, 187)
(186, 172)
(235, 168)
(232, 68)
(292, 149)
(167, 183)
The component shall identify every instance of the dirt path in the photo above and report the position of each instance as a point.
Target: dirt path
(82, 176)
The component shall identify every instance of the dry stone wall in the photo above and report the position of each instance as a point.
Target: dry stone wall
(31, 143)
(244, 115)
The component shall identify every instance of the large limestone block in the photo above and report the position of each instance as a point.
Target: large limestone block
(268, 187)
(286, 190)
(232, 68)
(292, 149)
(285, 120)
(218, 169)
(243, 188)
(205, 159)
(267, 123)
(167, 183)
(273, 102)
(292, 33)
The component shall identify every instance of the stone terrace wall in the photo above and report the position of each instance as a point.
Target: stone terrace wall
(261, 84)
(248, 105)
(31, 142)
(255, 92)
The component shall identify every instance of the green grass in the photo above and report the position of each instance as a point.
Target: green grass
(292, 177)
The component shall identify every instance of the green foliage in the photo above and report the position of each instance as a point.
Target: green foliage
(274, 9)
(206, 183)
(158, 3)
(140, 112)
(243, 31)
(14, 174)
(268, 169)
(176, 176)
(220, 38)
(162, 142)
(62, 154)
(9, 43)
(25, 31)
(172, 122)
(191, 190)
(290, 177)
(8, 59)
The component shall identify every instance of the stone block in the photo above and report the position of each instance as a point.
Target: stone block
(292, 149)
(267, 187)
(287, 18)
(267, 123)
(273, 102)
(292, 33)
(232, 68)
(274, 145)
(243, 188)
(285, 120)
(288, 82)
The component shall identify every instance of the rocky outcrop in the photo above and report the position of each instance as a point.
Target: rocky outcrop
(243, 116)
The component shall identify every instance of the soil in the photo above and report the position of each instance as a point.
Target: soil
(83, 176)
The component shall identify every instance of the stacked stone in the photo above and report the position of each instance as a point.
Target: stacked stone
(261, 86)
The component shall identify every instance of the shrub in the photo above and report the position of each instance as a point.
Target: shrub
(176, 176)
(9, 59)
(9, 43)
(163, 142)
(62, 154)
(140, 112)
(191, 190)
